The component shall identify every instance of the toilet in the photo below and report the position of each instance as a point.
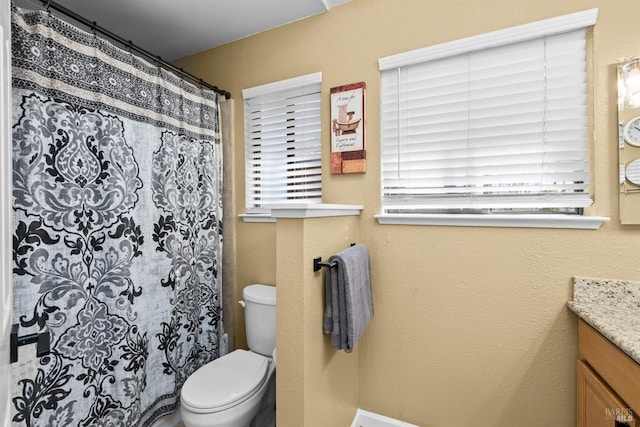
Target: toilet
(228, 391)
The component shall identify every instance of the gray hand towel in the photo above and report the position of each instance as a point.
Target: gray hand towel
(348, 300)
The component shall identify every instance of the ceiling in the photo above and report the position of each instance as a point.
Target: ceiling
(173, 29)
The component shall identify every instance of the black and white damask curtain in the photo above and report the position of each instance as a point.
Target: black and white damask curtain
(118, 215)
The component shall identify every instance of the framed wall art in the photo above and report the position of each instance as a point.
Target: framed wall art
(348, 153)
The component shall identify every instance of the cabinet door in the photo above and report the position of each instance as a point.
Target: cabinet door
(598, 405)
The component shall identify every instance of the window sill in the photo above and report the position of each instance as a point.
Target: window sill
(523, 221)
(303, 210)
(257, 217)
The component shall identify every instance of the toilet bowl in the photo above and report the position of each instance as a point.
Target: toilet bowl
(228, 391)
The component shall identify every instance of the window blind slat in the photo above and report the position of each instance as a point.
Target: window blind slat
(274, 118)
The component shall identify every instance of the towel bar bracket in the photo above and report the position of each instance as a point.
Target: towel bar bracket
(318, 264)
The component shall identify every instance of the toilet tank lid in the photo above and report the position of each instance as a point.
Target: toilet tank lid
(261, 294)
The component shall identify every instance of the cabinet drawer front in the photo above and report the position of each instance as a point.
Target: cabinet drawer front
(598, 405)
(619, 371)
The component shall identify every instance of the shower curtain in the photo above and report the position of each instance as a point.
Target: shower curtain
(118, 216)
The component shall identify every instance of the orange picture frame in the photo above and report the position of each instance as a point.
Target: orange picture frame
(348, 154)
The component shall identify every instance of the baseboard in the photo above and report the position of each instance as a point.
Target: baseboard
(369, 419)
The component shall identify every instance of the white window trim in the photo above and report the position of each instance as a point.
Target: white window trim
(520, 33)
(291, 83)
(484, 41)
(496, 220)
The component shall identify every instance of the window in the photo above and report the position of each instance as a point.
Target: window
(494, 124)
(282, 143)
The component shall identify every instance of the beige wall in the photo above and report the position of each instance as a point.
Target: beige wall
(316, 386)
(471, 326)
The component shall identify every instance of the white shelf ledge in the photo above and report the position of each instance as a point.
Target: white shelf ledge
(257, 218)
(313, 210)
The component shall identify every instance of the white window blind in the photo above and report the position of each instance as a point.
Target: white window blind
(282, 143)
(499, 127)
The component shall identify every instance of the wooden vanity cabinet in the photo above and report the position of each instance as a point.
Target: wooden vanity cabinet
(598, 405)
(608, 382)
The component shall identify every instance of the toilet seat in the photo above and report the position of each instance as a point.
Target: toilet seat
(225, 382)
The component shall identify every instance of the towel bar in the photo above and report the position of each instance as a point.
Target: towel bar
(318, 264)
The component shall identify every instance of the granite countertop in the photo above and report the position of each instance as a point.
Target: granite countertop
(612, 307)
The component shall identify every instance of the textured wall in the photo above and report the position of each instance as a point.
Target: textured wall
(471, 326)
(317, 386)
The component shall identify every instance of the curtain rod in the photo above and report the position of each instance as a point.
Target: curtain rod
(130, 45)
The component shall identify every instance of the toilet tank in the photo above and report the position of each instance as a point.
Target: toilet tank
(260, 318)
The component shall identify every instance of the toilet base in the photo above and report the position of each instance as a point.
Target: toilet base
(266, 416)
(191, 419)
